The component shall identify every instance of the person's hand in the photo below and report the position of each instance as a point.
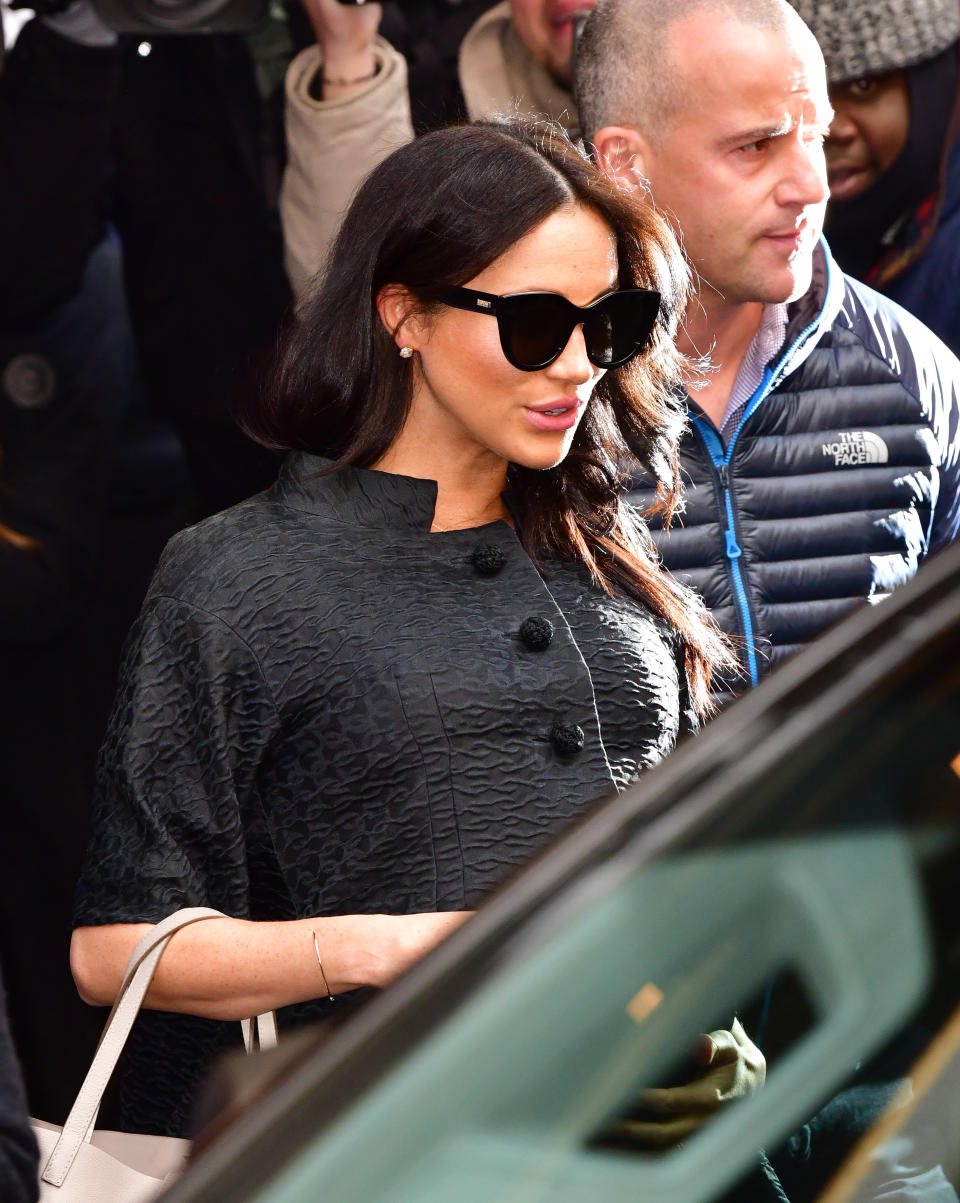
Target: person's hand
(731, 1067)
(399, 941)
(345, 34)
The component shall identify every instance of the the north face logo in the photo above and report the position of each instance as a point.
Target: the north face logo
(857, 447)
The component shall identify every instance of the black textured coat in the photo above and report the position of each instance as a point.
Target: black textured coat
(842, 477)
(326, 709)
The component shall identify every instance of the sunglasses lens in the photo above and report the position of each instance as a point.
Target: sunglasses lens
(534, 329)
(620, 326)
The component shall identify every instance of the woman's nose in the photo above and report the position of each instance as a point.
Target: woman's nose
(842, 127)
(573, 362)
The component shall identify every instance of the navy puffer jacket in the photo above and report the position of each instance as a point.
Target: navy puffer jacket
(841, 478)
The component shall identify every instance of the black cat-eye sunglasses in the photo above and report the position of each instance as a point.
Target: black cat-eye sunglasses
(536, 326)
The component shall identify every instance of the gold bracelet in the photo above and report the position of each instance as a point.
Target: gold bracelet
(323, 976)
(346, 83)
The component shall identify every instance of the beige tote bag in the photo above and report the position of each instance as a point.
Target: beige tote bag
(81, 1165)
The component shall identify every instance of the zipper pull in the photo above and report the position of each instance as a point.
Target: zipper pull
(722, 472)
(733, 550)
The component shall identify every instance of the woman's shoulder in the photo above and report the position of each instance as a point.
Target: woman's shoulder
(196, 557)
(248, 552)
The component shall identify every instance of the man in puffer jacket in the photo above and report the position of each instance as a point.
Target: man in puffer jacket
(823, 458)
(348, 99)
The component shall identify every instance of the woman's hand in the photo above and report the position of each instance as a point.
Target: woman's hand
(732, 1066)
(345, 34)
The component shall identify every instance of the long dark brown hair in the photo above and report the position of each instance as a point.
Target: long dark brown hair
(435, 213)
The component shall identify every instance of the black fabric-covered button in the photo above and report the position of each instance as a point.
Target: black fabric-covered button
(488, 559)
(567, 738)
(536, 633)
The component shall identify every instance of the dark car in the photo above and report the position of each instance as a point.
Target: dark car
(797, 864)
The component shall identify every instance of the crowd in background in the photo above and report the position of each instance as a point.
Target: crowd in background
(165, 201)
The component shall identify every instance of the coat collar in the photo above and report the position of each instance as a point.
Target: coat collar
(359, 497)
(812, 315)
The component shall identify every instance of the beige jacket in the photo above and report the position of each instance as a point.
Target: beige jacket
(333, 144)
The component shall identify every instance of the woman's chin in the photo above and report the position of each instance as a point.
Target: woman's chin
(547, 455)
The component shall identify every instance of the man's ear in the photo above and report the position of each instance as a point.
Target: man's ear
(625, 155)
(397, 308)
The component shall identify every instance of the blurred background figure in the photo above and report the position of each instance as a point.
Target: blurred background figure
(66, 350)
(893, 154)
(356, 96)
(175, 143)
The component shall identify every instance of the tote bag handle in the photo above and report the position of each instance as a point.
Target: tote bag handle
(136, 981)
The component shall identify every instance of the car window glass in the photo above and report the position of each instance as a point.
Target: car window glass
(822, 908)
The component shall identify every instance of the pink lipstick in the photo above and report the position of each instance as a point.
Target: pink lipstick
(561, 414)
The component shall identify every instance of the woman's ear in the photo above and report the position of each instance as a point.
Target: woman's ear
(399, 313)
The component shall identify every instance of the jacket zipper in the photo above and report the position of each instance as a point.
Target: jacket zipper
(721, 464)
(732, 551)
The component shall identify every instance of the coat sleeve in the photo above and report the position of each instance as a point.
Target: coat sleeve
(930, 371)
(331, 147)
(177, 772)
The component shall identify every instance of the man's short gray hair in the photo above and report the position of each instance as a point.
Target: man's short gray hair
(623, 72)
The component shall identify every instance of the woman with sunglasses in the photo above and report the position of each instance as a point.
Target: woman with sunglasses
(353, 704)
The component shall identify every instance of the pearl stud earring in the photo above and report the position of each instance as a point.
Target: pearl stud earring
(406, 352)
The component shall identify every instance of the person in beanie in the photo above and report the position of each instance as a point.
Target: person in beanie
(893, 151)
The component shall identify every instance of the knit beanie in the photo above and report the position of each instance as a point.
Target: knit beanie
(871, 37)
